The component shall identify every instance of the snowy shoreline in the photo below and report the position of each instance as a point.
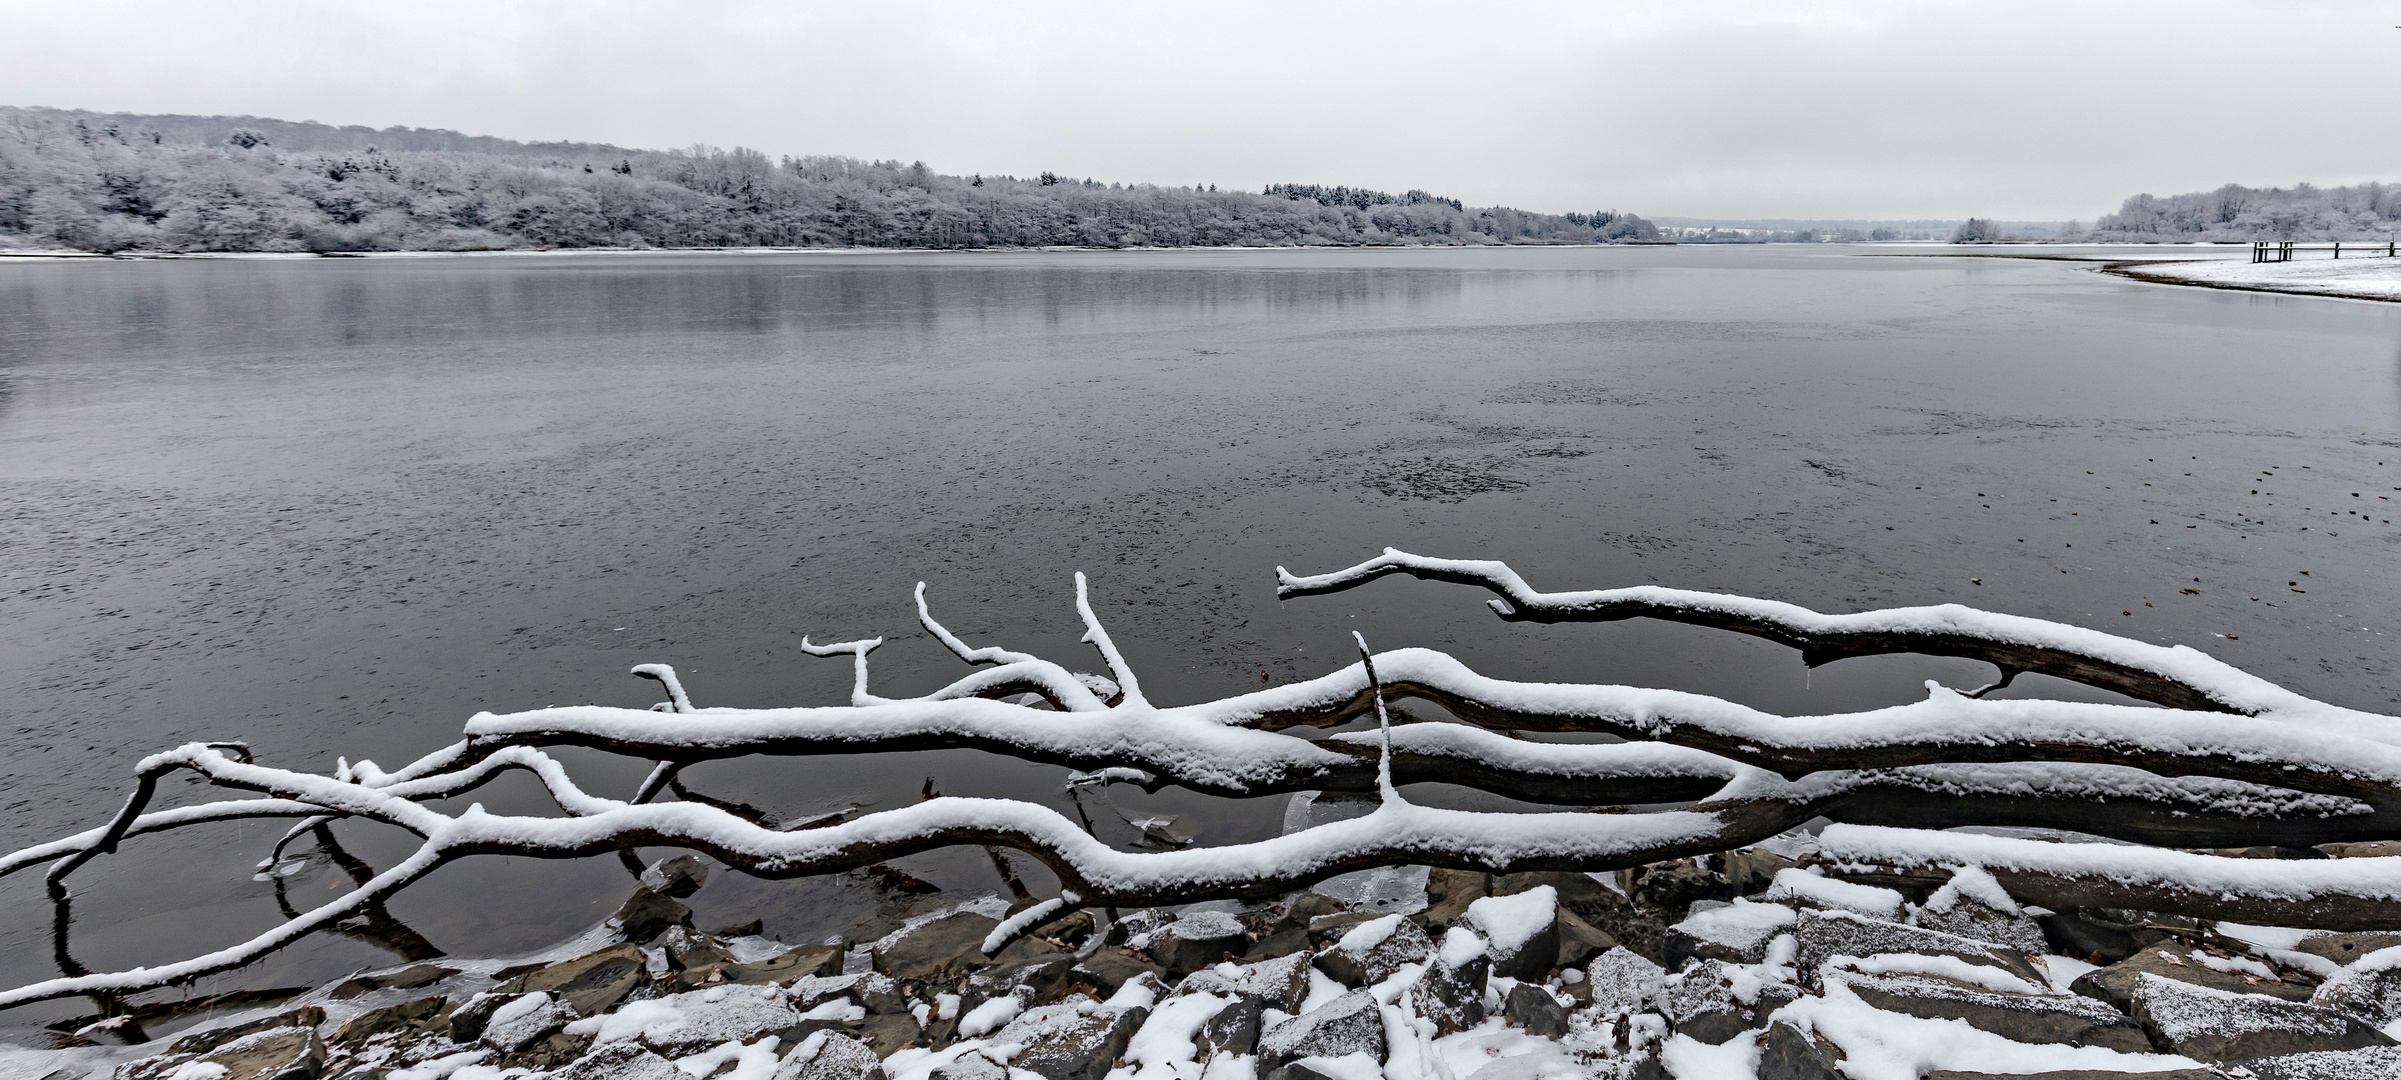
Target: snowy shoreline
(2377, 279)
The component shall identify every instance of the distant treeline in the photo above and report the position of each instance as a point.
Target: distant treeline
(2234, 212)
(100, 182)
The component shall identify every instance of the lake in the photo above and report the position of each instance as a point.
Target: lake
(334, 507)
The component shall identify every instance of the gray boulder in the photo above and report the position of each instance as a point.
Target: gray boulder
(937, 950)
(592, 983)
(620, 1061)
(1196, 940)
(647, 913)
(2346, 948)
(1078, 1040)
(1111, 968)
(1521, 931)
(1738, 933)
(2380, 1062)
(1621, 980)
(829, 1056)
(2214, 1025)
(1281, 983)
(1700, 1002)
(283, 1053)
(1531, 1007)
(1371, 951)
(1452, 991)
(1349, 1024)
(712, 1017)
(784, 969)
(2369, 989)
(525, 1021)
(2027, 1018)
(1825, 934)
(1234, 1030)
(2118, 983)
(1789, 1053)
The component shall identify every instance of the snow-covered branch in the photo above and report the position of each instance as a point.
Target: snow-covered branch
(2233, 761)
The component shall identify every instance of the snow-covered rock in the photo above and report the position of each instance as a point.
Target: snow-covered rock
(1073, 1040)
(1974, 905)
(1451, 992)
(1196, 940)
(2119, 983)
(1623, 981)
(2369, 988)
(2214, 1025)
(1827, 934)
(2019, 1017)
(827, 1055)
(1520, 931)
(1736, 933)
(1351, 1023)
(1370, 952)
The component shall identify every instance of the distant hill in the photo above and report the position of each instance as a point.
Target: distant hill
(309, 136)
(117, 182)
(2370, 211)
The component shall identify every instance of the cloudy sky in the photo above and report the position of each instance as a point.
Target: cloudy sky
(2021, 109)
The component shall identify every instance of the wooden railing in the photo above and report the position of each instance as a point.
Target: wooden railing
(2274, 251)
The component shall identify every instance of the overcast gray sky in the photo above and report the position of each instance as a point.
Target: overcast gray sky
(2025, 109)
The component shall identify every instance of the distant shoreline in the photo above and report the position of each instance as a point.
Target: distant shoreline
(168, 256)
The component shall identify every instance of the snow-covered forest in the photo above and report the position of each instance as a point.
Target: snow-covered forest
(2234, 212)
(115, 183)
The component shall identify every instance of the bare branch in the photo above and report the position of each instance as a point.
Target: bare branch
(2177, 677)
(1124, 672)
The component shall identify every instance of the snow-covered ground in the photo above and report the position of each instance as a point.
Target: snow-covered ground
(2366, 279)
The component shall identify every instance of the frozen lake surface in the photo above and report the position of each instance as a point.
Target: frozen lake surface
(334, 507)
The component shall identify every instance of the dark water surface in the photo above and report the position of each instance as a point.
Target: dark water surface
(335, 507)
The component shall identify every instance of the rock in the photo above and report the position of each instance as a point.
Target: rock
(1521, 932)
(1675, 885)
(2216, 1025)
(678, 877)
(1623, 981)
(830, 1056)
(592, 983)
(2374, 1061)
(1700, 1002)
(1349, 1067)
(207, 1039)
(1109, 969)
(1352, 1023)
(1284, 942)
(282, 1053)
(2345, 948)
(1974, 905)
(2369, 989)
(749, 928)
(887, 1032)
(467, 1022)
(1531, 1007)
(2027, 1018)
(1451, 993)
(647, 913)
(2118, 983)
(2366, 849)
(523, 1021)
(1371, 951)
(784, 969)
(719, 1015)
(551, 1052)
(1751, 870)
(1303, 908)
(1579, 940)
(937, 950)
(1580, 893)
(1280, 984)
(1071, 929)
(1071, 1041)
(1234, 1030)
(878, 993)
(1024, 949)
(1826, 934)
(408, 978)
(1197, 940)
(1326, 928)
(620, 1061)
(1788, 1053)
(970, 1066)
(1449, 892)
(423, 1014)
(1030, 983)
(1738, 933)
(2087, 935)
